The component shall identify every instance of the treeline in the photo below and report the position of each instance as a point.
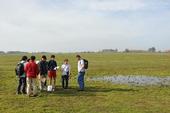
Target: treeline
(150, 50)
(21, 52)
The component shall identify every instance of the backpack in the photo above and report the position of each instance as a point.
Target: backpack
(19, 70)
(86, 63)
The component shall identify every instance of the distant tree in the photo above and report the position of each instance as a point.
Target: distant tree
(16, 52)
(116, 50)
(152, 49)
(110, 50)
(127, 50)
(2, 52)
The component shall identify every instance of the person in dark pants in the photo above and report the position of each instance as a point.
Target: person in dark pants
(21, 89)
(65, 68)
(43, 68)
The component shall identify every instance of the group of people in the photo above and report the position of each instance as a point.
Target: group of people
(28, 71)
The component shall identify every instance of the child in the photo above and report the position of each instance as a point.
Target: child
(32, 71)
(52, 69)
(21, 75)
(43, 66)
(65, 68)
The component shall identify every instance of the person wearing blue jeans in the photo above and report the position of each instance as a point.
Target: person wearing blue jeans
(81, 80)
(81, 73)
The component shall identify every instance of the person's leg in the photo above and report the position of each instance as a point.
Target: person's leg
(54, 82)
(81, 81)
(43, 82)
(49, 78)
(62, 81)
(28, 86)
(67, 78)
(40, 81)
(24, 85)
(83, 84)
(34, 86)
(54, 75)
(19, 86)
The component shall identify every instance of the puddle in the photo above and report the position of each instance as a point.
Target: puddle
(140, 80)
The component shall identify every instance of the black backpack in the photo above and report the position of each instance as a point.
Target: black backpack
(86, 64)
(19, 70)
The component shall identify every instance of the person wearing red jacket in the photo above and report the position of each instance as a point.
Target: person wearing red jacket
(31, 71)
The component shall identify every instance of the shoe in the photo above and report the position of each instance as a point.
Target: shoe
(18, 93)
(24, 93)
(35, 95)
(32, 95)
(53, 89)
(44, 89)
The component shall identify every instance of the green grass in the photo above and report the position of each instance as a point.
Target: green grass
(99, 97)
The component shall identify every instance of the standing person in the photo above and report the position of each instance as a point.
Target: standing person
(81, 72)
(52, 69)
(65, 68)
(21, 76)
(43, 66)
(32, 71)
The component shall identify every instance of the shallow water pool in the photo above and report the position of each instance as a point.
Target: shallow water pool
(139, 80)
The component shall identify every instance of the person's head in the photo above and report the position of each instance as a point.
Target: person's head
(28, 60)
(44, 58)
(52, 57)
(24, 58)
(78, 57)
(66, 61)
(33, 58)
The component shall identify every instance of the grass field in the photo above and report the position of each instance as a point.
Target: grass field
(99, 97)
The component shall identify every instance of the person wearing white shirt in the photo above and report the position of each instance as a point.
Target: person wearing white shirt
(81, 73)
(65, 68)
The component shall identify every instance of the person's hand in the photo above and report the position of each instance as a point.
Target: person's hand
(17, 76)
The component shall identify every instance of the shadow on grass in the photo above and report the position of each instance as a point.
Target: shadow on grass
(89, 91)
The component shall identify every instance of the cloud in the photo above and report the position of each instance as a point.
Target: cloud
(116, 5)
(74, 25)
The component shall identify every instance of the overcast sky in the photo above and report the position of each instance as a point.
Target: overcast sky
(82, 25)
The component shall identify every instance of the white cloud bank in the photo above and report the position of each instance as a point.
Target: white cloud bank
(74, 25)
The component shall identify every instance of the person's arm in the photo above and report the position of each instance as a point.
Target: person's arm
(26, 68)
(62, 68)
(69, 70)
(55, 64)
(37, 69)
(40, 67)
(47, 66)
(49, 63)
(82, 64)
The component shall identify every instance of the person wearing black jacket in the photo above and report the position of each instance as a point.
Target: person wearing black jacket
(52, 69)
(21, 75)
(43, 67)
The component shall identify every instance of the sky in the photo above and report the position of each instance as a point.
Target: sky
(84, 25)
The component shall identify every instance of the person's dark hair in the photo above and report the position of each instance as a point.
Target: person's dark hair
(78, 56)
(24, 58)
(52, 56)
(44, 57)
(33, 58)
(28, 60)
